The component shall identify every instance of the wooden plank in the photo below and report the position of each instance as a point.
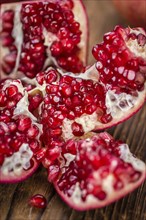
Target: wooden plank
(14, 198)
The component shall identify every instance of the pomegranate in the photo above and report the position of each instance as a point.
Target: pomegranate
(19, 134)
(36, 34)
(107, 93)
(72, 106)
(38, 201)
(95, 170)
(56, 110)
(133, 10)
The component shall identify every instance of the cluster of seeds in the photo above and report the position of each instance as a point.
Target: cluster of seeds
(120, 67)
(7, 40)
(92, 166)
(15, 129)
(40, 21)
(67, 98)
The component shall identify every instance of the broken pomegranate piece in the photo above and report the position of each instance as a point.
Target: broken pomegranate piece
(95, 171)
(19, 134)
(71, 105)
(36, 34)
(121, 59)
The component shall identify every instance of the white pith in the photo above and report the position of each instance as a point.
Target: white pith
(20, 160)
(128, 157)
(69, 158)
(115, 101)
(88, 123)
(90, 74)
(107, 182)
(49, 38)
(134, 47)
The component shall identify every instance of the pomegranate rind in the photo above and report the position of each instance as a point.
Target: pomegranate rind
(92, 202)
(25, 174)
(99, 204)
(80, 15)
(115, 121)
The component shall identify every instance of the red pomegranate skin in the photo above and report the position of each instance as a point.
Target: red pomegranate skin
(132, 10)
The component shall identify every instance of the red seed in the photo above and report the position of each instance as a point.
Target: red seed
(24, 124)
(77, 129)
(11, 91)
(33, 131)
(38, 201)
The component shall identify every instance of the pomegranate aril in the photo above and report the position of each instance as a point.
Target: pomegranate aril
(51, 76)
(34, 146)
(51, 88)
(56, 48)
(33, 132)
(5, 149)
(101, 195)
(2, 98)
(35, 101)
(65, 89)
(76, 100)
(88, 98)
(40, 154)
(7, 41)
(141, 39)
(53, 172)
(74, 27)
(70, 147)
(55, 132)
(10, 59)
(11, 91)
(53, 153)
(63, 33)
(69, 16)
(8, 16)
(67, 45)
(38, 201)
(7, 26)
(24, 124)
(89, 109)
(77, 129)
(106, 118)
(71, 115)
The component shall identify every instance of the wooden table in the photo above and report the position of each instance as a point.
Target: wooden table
(14, 198)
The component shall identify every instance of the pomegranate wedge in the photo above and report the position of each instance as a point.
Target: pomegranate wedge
(95, 170)
(36, 34)
(19, 134)
(71, 106)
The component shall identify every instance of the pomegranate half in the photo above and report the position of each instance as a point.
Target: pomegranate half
(37, 34)
(95, 170)
(20, 134)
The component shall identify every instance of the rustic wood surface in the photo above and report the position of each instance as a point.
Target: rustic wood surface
(14, 198)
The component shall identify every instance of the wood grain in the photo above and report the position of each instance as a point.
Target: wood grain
(14, 198)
